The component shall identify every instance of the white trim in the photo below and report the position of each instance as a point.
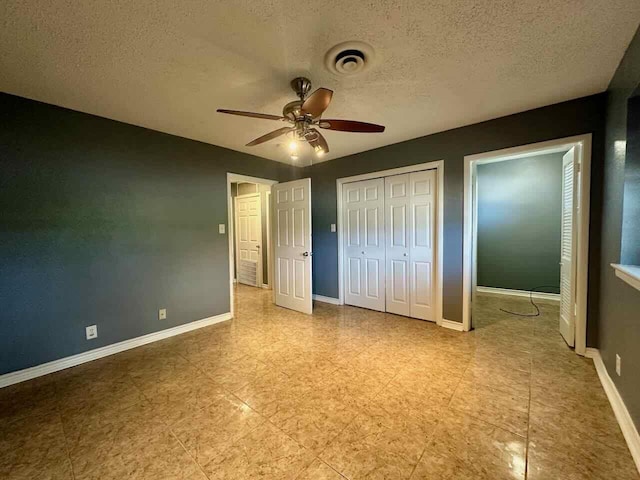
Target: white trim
(437, 165)
(323, 299)
(628, 273)
(554, 297)
(267, 206)
(583, 144)
(67, 362)
(450, 324)
(231, 178)
(629, 430)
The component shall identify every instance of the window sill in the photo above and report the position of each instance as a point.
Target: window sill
(629, 274)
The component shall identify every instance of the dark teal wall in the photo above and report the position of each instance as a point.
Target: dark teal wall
(630, 253)
(584, 115)
(519, 211)
(619, 319)
(104, 223)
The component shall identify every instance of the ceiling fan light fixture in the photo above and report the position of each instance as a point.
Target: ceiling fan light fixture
(305, 114)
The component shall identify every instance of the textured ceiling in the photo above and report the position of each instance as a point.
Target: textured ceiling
(168, 65)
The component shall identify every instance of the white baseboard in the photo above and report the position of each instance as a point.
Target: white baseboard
(266, 286)
(323, 299)
(555, 297)
(84, 357)
(450, 324)
(627, 426)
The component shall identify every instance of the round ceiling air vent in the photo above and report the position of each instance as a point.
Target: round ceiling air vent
(349, 58)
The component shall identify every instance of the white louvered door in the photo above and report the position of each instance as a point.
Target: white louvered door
(568, 242)
(291, 234)
(249, 239)
(363, 210)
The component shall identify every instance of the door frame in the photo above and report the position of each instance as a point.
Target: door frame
(437, 165)
(581, 252)
(234, 178)
(259, 272)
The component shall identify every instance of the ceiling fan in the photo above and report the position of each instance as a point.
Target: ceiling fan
(304, 115)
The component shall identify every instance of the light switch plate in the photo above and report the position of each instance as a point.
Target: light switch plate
(222, 228)
(162, 314)
(92, 332)
(333, 227)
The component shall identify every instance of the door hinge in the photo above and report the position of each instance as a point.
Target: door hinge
(575, 309)
(577, 168)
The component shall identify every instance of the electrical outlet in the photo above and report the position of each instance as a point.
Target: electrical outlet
(333, 228)
(92, 332)
(162, 314)
(222, 228)
(618, 365)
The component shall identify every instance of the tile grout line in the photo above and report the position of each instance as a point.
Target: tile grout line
(188, 453)
(526, 451)
(66, 441)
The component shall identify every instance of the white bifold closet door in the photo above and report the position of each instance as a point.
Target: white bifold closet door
(364, 252)
(410, 201)
(568, 242)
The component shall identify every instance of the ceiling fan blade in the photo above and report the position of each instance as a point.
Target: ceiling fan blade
(351, 126)
(317, 102)
(316, 139)
(270, 135)
(264, 116)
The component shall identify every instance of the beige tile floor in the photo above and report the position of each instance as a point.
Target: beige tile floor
(345, 393)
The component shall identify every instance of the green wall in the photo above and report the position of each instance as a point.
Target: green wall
(519, 211)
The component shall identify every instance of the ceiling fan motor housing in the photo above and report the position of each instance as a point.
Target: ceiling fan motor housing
(302, 86)
(293, 110)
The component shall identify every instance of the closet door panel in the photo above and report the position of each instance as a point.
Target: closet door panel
(398, 230)
(422, 186)
(363, 262)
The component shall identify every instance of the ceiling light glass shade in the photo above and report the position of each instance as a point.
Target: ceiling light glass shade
(293, 145)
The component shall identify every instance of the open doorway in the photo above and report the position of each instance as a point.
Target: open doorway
(249, 222)
(526, 237)
(251, 206)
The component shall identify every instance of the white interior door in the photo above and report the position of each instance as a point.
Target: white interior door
(249, 239)
(291, 240)
(568, 241)
(364, 252)
(422, 222)
(398, 228)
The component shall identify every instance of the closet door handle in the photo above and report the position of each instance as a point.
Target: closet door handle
(405, 254)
